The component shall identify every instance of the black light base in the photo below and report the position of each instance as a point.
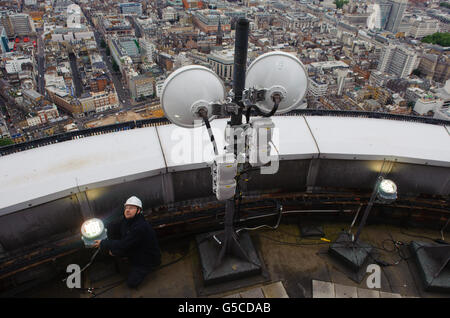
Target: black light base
(352, 254)
(433, 263)
(232, 267)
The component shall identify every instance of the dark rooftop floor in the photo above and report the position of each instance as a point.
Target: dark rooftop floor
(287, 258)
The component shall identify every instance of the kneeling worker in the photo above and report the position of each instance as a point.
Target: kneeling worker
(137, 242)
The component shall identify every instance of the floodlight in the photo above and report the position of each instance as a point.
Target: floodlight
(92, 230)
(188, 90)
(387, 190)
(278, 73)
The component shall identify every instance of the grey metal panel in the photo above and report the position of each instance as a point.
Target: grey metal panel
(291, 176)
(38, 201)
(351, 174)
(108, 201)
(168, 194)
(410, 178)
(39, 223)
(313, 170)
(416, 179)
(85, 207)
(192, 184)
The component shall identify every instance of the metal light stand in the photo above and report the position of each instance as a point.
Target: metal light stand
(350, 250)
(222, 267)
(231, 243)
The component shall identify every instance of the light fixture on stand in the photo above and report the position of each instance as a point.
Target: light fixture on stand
(193, 96)
(350, 249)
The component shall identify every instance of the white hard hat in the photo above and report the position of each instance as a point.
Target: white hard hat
(134, 201)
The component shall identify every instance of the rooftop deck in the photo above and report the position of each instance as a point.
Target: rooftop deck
(291, 264)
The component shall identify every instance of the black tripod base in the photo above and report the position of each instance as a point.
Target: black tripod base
(232, 266)
(352, 254)
(433, 263)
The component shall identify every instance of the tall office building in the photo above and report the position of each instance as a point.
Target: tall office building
(3, 40)
(397, 60)
(396, 14)
(385, 9)
(6, 23)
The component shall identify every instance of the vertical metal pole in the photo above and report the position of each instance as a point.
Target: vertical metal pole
(231, 243)
(240, 66)
(368, 208)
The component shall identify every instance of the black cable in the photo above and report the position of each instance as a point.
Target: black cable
(279, 207)
(260, 112)
(115, 284)
(211, 135)
(88, 264)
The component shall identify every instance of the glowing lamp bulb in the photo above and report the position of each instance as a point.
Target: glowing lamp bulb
(387, 190)
(91, 230)
(388, 186)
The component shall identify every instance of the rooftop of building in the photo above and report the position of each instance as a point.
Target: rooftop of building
(292, 268)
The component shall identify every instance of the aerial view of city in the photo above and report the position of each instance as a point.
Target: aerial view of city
(109, 63)
(112, 119)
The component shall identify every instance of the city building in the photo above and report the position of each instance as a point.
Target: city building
(22, 24)
(398, 8)
(31, 96)
(30, 2)
(398, 60)
(299, 21)
(412, 94)
(6, 23)
(175, 3)
(192, 4)
(427, 104)
(124, 50)
(4, 43)
(222, 62)
(444, 94)
(169, 14)
(15, 63)
(43, 115)
(317, 87)
(208, 20)
(435, 67)
(114, 25)
(141, 86)
(423, 27)
(99, 101)
(148, 49)
(132, 8)
(165, 61)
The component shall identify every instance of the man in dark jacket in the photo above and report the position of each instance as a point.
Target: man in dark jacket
(137, 242)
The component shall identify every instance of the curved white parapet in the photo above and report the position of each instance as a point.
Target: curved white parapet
(47, 173)
(187, 149)
(376, 139)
